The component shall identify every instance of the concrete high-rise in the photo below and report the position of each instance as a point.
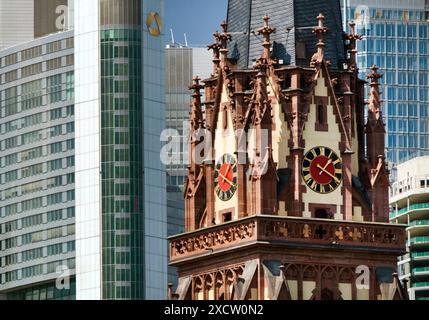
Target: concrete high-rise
(409, 200)
(37, 168)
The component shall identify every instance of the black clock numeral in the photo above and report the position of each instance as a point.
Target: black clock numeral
(306, 164)
(336, 161)
(307, 177)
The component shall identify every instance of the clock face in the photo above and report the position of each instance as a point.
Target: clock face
(322, 170)
(225, 177)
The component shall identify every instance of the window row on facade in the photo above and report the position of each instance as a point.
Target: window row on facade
(36, 119)
(390, 14)
(36, 153)
(37, 220)
(37, 186)
(37, 136)
(37, 93)
(59, 198)
(37, 68)
(36, 51)
(38, 253)
(38, 270)
(37, 169)
(38, 236)
(394, 62)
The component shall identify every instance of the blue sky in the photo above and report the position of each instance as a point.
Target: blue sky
(197, 18)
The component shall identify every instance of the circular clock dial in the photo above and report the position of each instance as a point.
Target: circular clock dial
(322, 170)
(225, 177)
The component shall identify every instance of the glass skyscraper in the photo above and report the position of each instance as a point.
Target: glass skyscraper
(182, 64)
(81, 177)
(396, 38)
(121, 218)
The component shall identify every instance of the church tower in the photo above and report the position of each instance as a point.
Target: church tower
(289, 200)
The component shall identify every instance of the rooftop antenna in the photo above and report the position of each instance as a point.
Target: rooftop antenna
(172, 36)
(186, 40)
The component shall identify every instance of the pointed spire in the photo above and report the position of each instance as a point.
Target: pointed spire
(353, 37)
(374, 95)
(260, 97)
(196, 112)
(320, 30)
(266, 31)
(216, 52)
(224, 37)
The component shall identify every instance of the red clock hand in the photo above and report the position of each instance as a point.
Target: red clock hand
(328, 173)
(324, 168)
(226, 179)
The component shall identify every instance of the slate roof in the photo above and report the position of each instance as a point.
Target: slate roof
(291, 43)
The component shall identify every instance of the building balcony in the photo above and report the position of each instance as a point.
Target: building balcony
(419, 240)
(421, 270)
(420, 285)
(420, 255)
(288, 231)
(418, 223)
(416, 206)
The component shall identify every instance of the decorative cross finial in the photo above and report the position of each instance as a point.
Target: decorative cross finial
(266, 31)
(196, 86)
(374, 75)
(319, 31)
(224, 35)
(353, 37)
(224, 25)
(216, 52)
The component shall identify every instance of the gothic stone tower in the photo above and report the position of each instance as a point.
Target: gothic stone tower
(291, 198)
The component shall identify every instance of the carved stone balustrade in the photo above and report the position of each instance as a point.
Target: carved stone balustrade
(288, 231)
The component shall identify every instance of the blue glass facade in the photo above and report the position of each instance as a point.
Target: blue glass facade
(395, 38)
